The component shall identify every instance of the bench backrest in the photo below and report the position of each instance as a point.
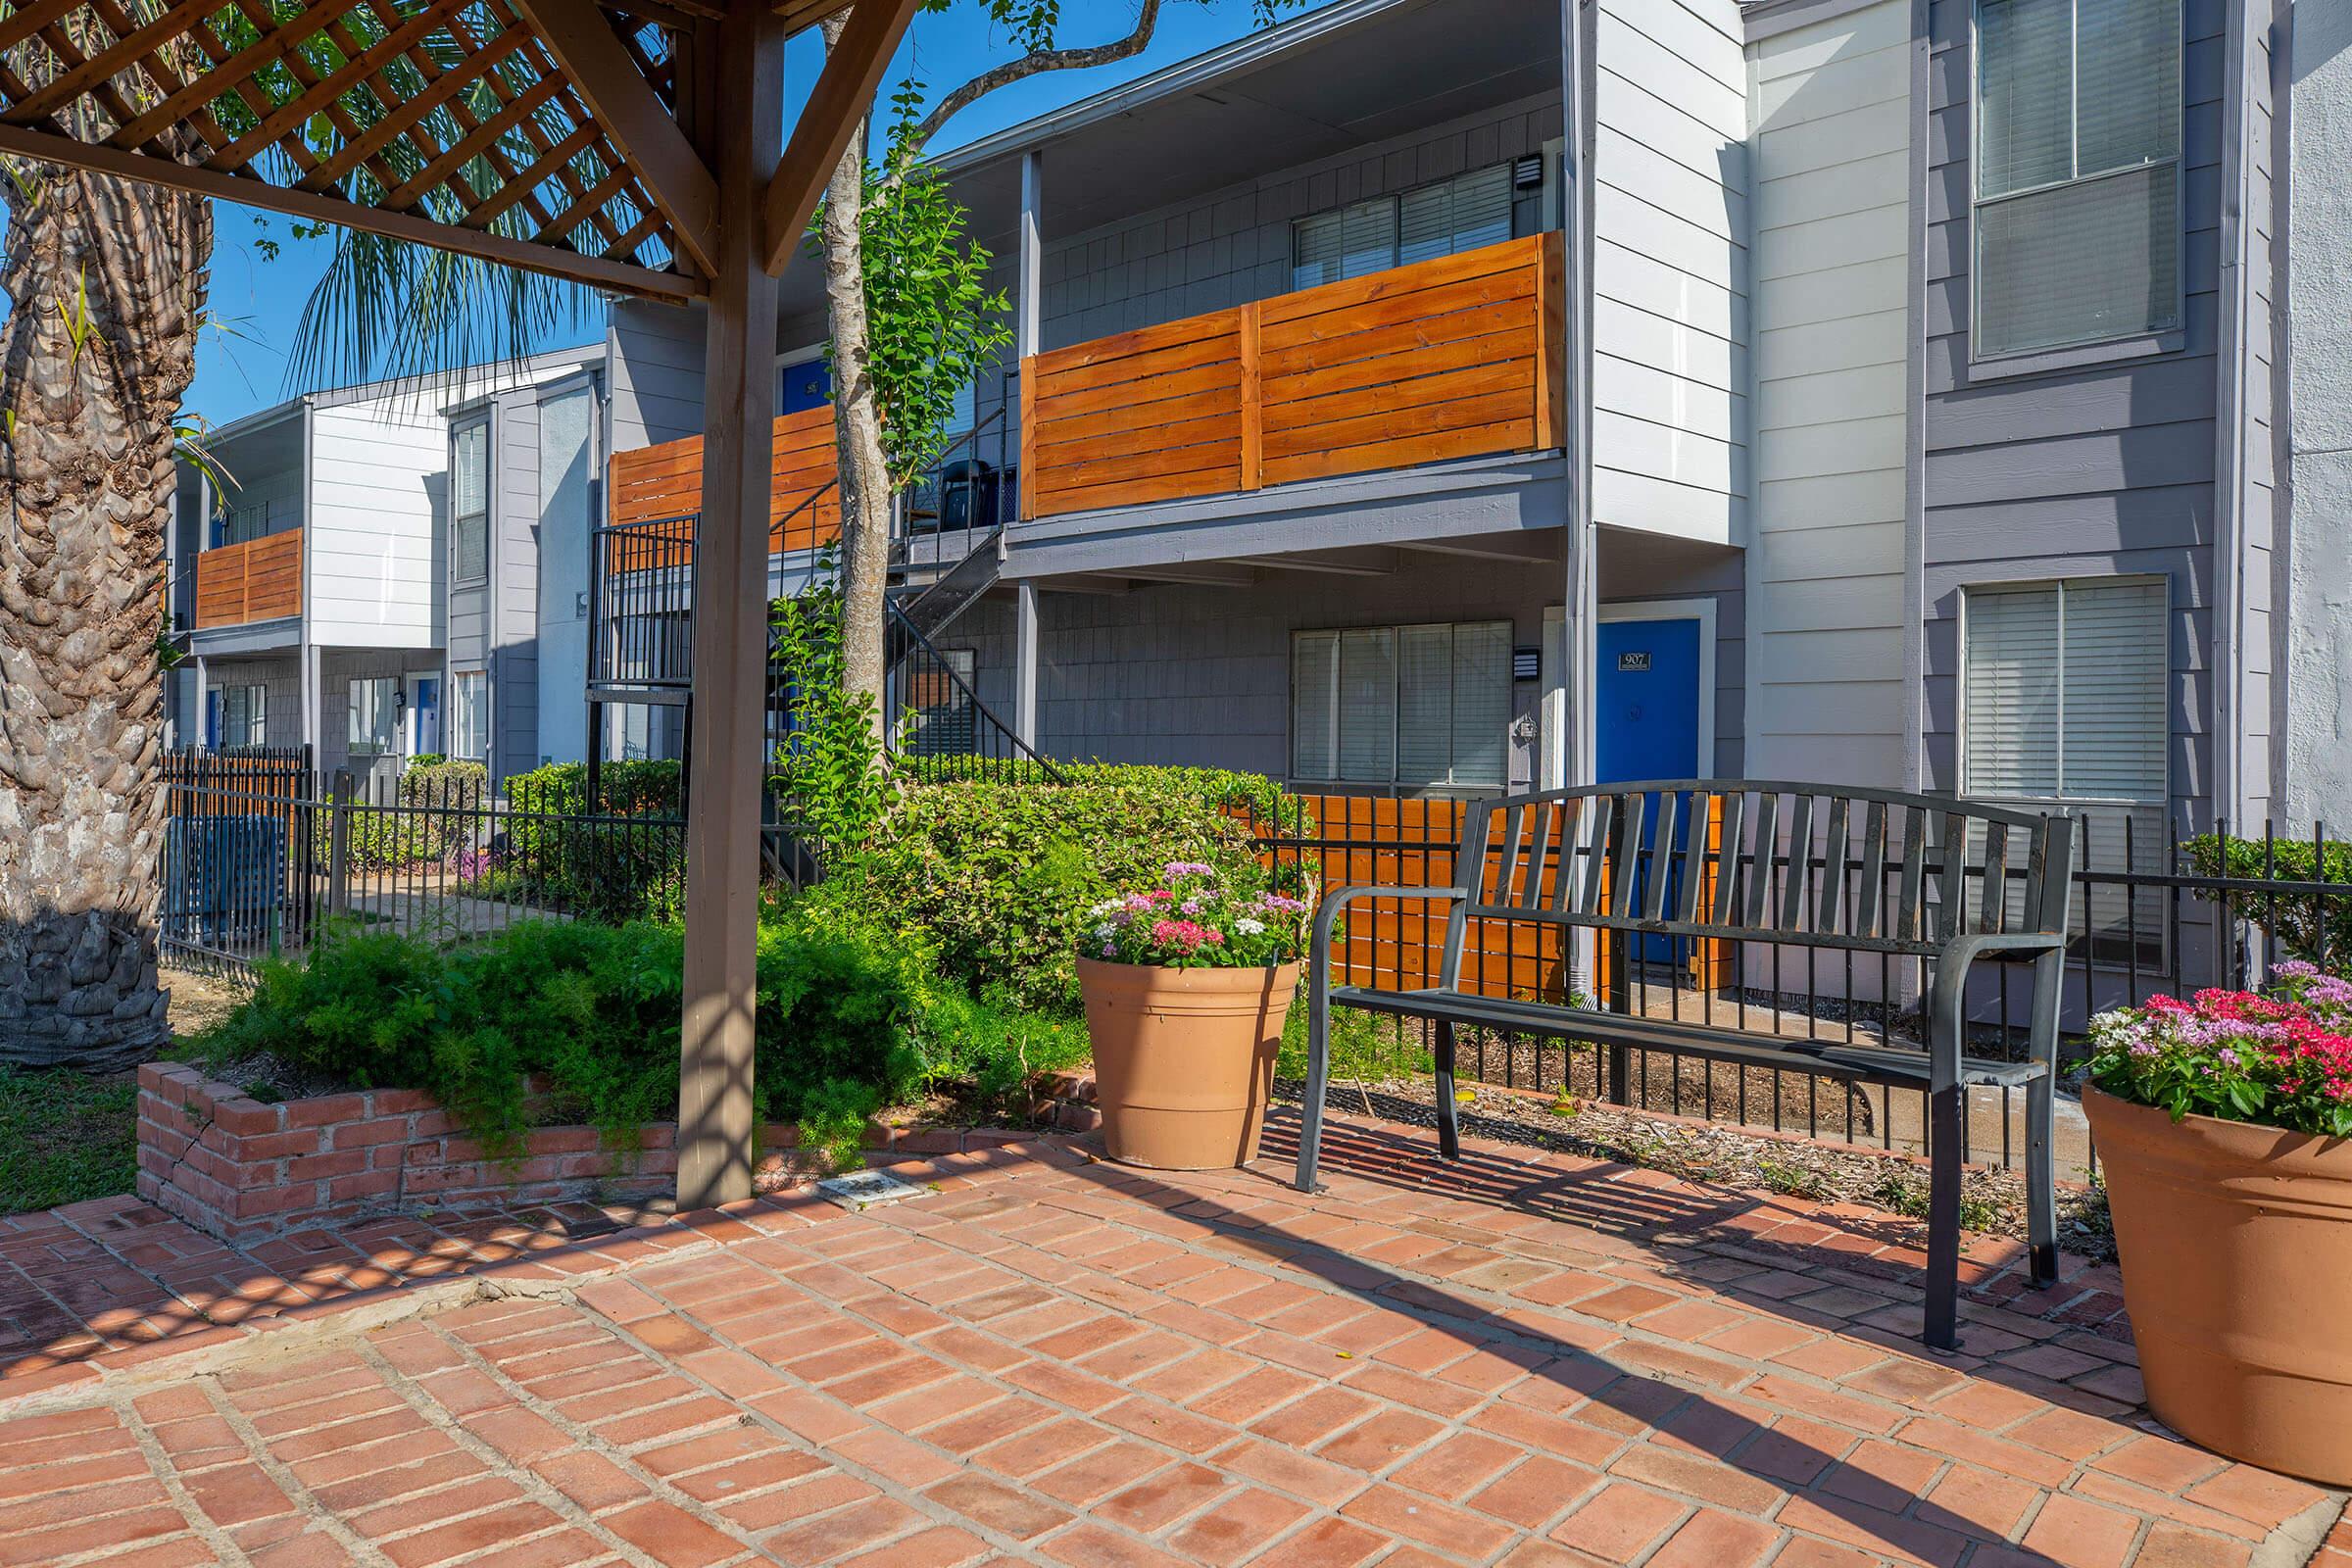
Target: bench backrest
(1744, 860)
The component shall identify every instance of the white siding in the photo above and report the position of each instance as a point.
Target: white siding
(1670, 269)
(379, 470)
(1832, 206)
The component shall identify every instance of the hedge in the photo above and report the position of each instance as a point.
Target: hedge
(602, 864)
(998, 874)
(2297, 922)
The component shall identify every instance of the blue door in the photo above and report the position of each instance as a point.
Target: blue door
(806, 385)
(1648, 720)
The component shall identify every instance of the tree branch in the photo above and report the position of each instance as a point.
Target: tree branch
(1036, 63)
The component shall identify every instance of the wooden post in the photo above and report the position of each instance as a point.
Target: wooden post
(1028, 439)
(730, 626)
(1253, 419)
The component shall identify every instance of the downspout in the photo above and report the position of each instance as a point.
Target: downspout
(1915, 412)
(2230, 438)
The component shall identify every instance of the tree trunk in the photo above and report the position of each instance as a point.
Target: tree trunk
(88, 475)
(857, 425)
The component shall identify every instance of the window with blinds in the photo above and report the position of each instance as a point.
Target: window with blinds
(1420, 706)
(2064, 696)
(470, 714)
(374, 715)
(244, 715)
(1455, 214)
(2077, 170)
(469, 504)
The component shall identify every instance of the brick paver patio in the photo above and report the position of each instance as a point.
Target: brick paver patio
(1526, 1359)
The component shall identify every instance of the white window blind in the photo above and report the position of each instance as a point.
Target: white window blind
(1368, 704)
(470, 714)
(1314, 684)
(1420, 706)
(244, 715)
(1461, 213)
(469, 504)
(2078, 227)
(2064, 696)
(375, 715)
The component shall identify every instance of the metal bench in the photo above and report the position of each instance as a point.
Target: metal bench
(1941, 881)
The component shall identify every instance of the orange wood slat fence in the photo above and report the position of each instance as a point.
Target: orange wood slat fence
(648, 483)
(1452, 358)
(1369, 840)
(260, 579)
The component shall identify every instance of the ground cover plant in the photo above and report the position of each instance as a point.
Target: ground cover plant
(65, 1135)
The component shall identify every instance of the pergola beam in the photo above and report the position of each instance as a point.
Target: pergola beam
(594, 270)
(583, 44)
(845, 89)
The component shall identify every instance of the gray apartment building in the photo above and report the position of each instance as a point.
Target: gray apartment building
(1452, 395)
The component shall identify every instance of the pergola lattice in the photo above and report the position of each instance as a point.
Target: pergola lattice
(638, 147)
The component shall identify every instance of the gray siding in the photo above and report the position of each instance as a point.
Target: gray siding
(514, 585)
(281, 674)
(1202, 677)
(2103, 470)
(338, 667)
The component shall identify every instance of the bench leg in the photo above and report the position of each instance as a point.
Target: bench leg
(1450, 1132)
(2042, 1195)
(1944, 1112)
(1318, 1083)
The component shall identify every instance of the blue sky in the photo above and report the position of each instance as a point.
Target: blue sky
(257, 300)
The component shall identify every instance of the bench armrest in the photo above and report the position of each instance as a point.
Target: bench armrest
(1327, 919)
(1949, 1023)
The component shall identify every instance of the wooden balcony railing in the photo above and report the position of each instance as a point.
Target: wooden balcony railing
(1452, 358)
(667, 482)
(260, 579)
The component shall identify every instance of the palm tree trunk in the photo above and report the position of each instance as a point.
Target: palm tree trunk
(858, 427)
(108, 281)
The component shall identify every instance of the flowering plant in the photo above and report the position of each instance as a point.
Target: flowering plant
(2279, 1057)
(1197, 918)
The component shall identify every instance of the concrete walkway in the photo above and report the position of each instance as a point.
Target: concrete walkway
(1523, 1359)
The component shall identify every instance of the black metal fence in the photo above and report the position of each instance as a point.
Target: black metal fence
(259, 860)
(2174, 917)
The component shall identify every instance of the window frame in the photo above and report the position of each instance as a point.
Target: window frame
(392, 707)
(454, 738)
(456, 432)
(2158, 957)
(1330, 719)
(1395, 199)
(2136, 343)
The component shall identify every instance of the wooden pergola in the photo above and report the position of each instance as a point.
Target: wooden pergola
(635, 147)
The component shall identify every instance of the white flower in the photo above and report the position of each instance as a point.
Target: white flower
(1250, 928)
(1105, 931)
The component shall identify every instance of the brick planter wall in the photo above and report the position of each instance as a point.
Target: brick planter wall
(242, 1170)
(228, 1164)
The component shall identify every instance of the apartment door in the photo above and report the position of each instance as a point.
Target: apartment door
(1650, 717)
(424, 715)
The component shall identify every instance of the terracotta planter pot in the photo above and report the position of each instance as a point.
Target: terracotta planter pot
(2237, 1244)
(1184, 1058)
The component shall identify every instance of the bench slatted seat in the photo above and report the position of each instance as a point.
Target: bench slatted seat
(1938, 881)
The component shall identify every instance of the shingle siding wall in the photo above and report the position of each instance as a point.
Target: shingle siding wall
(2094, 472)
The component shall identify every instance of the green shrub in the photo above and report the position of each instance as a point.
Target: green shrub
(600, 863)
(594, 1009)
(440, 782)
(999, 875)
(2298, 923)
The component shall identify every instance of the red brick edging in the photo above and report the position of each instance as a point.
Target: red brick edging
(244, 1170)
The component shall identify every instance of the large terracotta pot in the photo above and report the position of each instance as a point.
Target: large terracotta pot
(2236, 1245)
(1184, 1058)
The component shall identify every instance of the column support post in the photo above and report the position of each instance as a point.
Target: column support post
(1024, 660)
(715, 1131)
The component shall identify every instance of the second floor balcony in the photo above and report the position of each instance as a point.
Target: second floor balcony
(257, 579)
(1457, 357)
(1435, 360)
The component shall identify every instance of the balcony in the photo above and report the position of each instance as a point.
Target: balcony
(1446, 359)
(1452, 358)
(259, 579)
